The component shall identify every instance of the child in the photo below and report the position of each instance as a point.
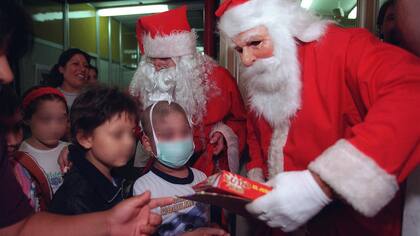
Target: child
(102, 123)
(168, 137)
(45, 113)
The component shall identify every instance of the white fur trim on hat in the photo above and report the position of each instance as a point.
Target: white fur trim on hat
(232, 145)
(355, 177)
(271, 13)
(174, 45)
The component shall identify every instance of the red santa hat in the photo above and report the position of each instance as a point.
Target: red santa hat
(166, 34)
(237, 16)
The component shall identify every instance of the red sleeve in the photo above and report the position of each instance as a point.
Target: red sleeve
(384, 148)
(388, 80)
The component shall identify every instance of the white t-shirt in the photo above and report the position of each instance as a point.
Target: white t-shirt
(70, 97)
(47, 159)
(183, 215)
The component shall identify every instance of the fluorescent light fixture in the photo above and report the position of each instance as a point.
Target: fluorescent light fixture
(136, 10)
(353, 14)
(50, 16)
(306, 3)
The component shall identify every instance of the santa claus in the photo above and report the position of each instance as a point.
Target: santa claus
(171, 68)
(332, 118)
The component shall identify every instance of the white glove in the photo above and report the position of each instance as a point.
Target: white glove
(256, 174)
(296, 197)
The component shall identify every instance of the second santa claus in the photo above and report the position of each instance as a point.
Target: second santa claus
(171, 68)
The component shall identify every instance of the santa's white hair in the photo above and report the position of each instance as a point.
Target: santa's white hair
(186, 83)
(273, 85)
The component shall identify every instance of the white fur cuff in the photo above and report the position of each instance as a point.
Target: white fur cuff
(256, 174)
(232, 145)
(355, 177)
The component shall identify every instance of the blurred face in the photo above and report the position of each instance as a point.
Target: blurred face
(254, 44)
(6, 75)
(162, 63)
(408, 24)
(389, 31)
(172, 127)
(75, 72)
(14, 138)
(49, 123)
(112, 143)
(92, 77)
(14, 134)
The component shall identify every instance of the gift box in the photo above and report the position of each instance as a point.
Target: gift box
(229, 191)
(228, 183)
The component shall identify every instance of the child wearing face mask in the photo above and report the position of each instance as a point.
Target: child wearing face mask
(168, 138)
(45, 113)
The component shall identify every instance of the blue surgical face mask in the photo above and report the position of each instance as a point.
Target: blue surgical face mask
(175, 153)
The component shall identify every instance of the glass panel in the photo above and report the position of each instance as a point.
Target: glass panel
(114, 46)
(103, 38)
(115, 40)
(48, 19)
(342, 11)
(129, 47)
(82, 27)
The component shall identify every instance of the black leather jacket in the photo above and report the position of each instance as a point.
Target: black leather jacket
(85, 189)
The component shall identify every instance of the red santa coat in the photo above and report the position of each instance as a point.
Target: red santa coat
(357, 128)
(225, 113)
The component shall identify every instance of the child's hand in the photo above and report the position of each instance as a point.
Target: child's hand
(206, 231)
(63, 160)
(218, 142)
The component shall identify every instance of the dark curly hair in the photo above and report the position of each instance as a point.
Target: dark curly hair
(9, 101)
(98, 104)
(55, 78)
(381, 16)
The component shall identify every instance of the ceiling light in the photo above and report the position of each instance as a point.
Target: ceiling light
(51, 16)
(135, 10)
(306, 4)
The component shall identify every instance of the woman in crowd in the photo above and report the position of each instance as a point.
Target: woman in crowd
(70, 74)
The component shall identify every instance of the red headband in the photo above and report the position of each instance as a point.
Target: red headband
(38, 93)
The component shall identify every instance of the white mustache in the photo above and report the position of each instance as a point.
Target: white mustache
(259, 67)
(164, 80)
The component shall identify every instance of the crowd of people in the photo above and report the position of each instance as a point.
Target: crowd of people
(328, 121)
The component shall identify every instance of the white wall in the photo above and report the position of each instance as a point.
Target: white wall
(103, 71)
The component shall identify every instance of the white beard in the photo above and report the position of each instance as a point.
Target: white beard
(273, 87)
(185, 84)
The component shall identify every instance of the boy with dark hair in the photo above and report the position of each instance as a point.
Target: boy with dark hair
(102, 122)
